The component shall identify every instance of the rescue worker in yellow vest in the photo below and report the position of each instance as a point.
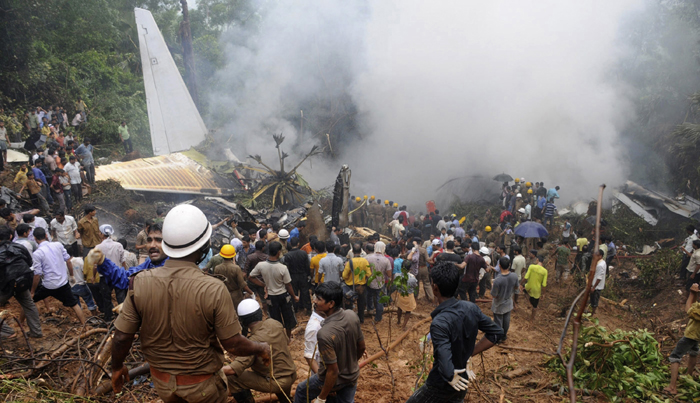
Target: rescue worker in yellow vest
(184, 317)
(235, 281)
(259, 376)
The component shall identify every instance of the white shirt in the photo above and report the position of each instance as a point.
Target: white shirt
(688, 243)
(77, 119)
(30, 246)
(38, 223)
(77, 271)
(73, 172)
(528, 210)
(112, 250)
(600, 270)
(50, 263)
(310, 341)
(65, 233)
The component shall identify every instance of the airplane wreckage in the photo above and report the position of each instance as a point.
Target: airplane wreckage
(180, 140)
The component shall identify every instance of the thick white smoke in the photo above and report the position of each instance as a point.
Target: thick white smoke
(442, 89)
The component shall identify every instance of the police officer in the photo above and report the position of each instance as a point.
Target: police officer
(180, 312)
(259, 377)
(235, 281)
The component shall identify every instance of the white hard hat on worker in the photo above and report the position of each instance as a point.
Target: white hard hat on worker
(186, 230)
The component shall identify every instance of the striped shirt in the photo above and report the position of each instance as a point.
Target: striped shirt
(549, 209)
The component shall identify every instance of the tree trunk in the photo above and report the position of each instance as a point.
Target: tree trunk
(188, 54)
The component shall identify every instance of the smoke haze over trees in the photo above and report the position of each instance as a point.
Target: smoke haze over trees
(408, 92)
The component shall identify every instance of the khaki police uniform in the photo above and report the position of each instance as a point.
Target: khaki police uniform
(476, 226)
(258, 377)
(376, 216)
(235, 283)
(181, 314)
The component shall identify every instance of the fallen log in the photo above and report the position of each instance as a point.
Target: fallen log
(106, 386)
(394, 343)
(527, 349)
(70, 343)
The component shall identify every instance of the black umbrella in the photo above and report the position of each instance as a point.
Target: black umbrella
(503, 178)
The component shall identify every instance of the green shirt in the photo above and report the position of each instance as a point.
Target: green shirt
(536, 279)
(692, 331)
(33, 121)
(124, 132)
(563, 255)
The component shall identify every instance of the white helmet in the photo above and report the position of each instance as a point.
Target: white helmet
(283, 234)
(521, 210)
(248, 306)
(484, 251)
(518, 195)
(185, 231)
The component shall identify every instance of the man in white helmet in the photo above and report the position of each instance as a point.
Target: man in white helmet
(180, 312)
(270, 331)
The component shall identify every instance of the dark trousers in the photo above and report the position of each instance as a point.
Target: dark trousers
(300, 283)
(484, 284)
(77, 192)
(427, 394)
(373, 296)
(361, 302)
(128, 147)
(467, 289)
(90, 173)
(682, 269)
(67, 198)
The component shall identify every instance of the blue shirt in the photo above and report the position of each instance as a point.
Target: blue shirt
(294, 233)
(117, 277)
(454, 331)
(85, 154)
(397, 265)
(39, 175)
(552, 194)
(540, 202)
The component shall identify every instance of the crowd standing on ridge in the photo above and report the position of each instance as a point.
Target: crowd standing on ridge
(249, 296)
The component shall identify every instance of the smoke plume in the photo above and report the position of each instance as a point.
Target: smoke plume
(422, 92)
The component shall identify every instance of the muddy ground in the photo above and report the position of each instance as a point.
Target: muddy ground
(406, 360)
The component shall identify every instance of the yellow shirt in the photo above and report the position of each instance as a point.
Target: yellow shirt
(580, 243)
(21, 177)
(536, 279)
(358, 263)
(314, 265)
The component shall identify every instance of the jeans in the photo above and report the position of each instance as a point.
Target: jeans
(428, 394)
(373, 295)
(83, 291)
(550, 219)
(25, 300)
(128, 147)
(90, 173)
(467, 289)
(61, 202)
(314, 385)
(67, 199)
(503, 320)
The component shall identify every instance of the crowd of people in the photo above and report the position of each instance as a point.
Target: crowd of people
(285, 273)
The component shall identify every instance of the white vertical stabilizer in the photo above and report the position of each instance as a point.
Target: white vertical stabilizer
(175, 122)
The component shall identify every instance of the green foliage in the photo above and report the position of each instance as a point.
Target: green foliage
(658, 270)
(621, 364)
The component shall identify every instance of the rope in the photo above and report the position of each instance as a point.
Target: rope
(272, 376)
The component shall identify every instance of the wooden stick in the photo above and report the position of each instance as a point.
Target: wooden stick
(526, 349)
(584, 300)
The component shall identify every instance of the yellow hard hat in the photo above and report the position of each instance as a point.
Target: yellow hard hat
(357, 199)
(386, 201)
(488, 228)
(528, 184)
(371, 198)
(462, 220)
(529, 191)
(517, 180)
(396, 204)
(227, 251)
(365, 197)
